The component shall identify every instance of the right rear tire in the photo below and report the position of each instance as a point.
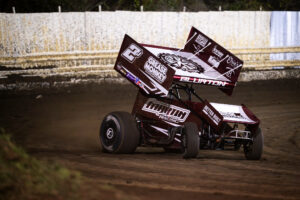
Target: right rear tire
(254, 149)
(191, 140)
(119, 133)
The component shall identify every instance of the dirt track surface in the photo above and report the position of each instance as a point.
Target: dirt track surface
(64, 127)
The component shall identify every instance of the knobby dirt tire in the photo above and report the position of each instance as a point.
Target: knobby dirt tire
(191, 140)
(254, 150)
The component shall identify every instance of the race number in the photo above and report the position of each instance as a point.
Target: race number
(132, 53)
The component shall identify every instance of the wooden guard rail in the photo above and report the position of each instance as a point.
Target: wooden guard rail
(254, 59)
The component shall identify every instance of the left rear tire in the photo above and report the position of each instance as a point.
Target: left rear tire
(119, 133)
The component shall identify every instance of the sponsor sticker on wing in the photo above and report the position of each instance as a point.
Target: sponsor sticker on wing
(213, 61)
(155, 69)
(217, 52)
(201, 40)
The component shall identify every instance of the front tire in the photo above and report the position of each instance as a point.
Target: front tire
(254, 149)
(119, 133)
(191, 140)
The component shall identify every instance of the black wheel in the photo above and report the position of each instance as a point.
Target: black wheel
(119, 133)
(191, 140)
(253, 149)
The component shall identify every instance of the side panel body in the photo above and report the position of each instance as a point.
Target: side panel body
(160, 115)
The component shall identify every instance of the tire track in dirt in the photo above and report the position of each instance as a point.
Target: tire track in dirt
(65, 128)
(162, 180)
(154, 171)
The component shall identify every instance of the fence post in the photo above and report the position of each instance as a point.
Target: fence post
(142, 8)
(14, 10)
(220, 8)
(184, 8)
(99, 8)
(59, 8)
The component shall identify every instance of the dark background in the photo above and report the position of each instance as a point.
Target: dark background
(29, 6)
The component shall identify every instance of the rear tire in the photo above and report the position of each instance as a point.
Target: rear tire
(119, 133)
(254, 149)
(191, 140)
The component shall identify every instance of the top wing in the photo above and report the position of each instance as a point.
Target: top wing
(202, 61)
(189, 68)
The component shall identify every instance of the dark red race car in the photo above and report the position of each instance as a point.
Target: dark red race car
(164, 114)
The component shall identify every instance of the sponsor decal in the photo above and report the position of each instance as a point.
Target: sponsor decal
(132, 53)
(233, 65)
(229, 73)
(180, 62)
(203, 81)
(156, 88)
(210, 113)
(155, 69)
(233, 115)
(166, 111)
(201, 40)
(232, 62)
(214, 61)
(130, 76)
(197, 48)
(121, 69)
(217, 52)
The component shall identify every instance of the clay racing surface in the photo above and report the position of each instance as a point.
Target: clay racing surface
(64, 127)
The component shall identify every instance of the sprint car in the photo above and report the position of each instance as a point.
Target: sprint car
(169, 113)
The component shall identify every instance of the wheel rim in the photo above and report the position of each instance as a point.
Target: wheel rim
(110, 133)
